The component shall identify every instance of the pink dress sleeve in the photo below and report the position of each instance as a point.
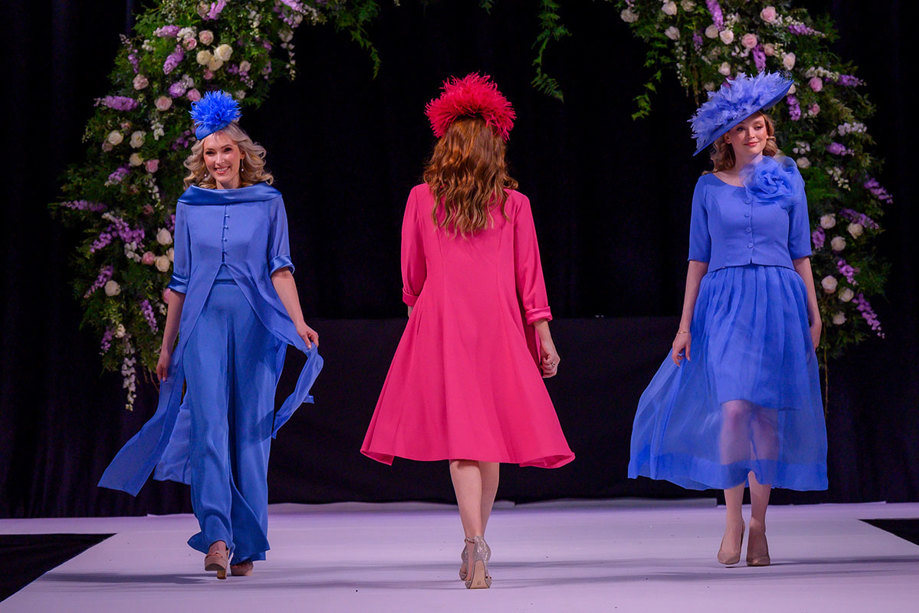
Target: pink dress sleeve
(414, 270)
(531, 287)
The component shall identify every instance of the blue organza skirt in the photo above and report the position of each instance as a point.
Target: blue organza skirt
(749, 400)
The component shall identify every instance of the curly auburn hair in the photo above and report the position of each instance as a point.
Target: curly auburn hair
(251, 170)
(723, 154)
(467, 174)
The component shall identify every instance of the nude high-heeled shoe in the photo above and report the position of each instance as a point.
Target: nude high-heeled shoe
(217, 558)
(481, 553)
(729, 558)
(464, 556)
(758, 547)
(243, 569)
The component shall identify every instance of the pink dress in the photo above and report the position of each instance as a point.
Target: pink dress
(465, 382)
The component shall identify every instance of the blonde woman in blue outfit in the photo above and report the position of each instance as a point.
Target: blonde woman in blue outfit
(738, 400)
(234, 308)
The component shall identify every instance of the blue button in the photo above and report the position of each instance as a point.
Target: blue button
(746, 214)
(749, 245)
(225, 227)
(748, 230)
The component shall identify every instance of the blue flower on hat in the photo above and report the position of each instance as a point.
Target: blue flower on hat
(214, 112)
(736, 100)
(773, 181)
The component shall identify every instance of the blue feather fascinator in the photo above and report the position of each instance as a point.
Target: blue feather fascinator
(736, 100)
(214, 112)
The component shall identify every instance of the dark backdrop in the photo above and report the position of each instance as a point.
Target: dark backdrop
(610, 197)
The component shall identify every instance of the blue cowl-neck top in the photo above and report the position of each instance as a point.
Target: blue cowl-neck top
(232, 234)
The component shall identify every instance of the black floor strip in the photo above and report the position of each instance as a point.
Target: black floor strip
(26, 557)
(907, 529)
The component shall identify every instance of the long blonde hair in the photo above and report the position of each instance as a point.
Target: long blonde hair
(251, 171)
(723, 153)
(467, 174)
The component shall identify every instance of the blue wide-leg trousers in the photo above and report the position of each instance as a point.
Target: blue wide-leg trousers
(229, 370)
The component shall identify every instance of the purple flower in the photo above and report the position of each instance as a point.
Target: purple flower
(171, 224)
(770, 182)
(859, 218)
(847, 271)
(872, 185)
(106, 343)
(124, 231)
(118, 175)
(697, 40)
(118, 103)
(293, 4)
(105, 274)
(174, 59)
(818, 237)
(169, 31)
(177, 89)
(838, 149)
(794, 109)
(134, 61)
(759, 58)
(861, 303)
(799, 29)
(715, 9)
(84, 205)
(215, 10)
(102, 241)
(847, 80)
(147, 312)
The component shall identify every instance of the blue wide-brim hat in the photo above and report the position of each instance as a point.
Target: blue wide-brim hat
(213, 112)
(736, 100)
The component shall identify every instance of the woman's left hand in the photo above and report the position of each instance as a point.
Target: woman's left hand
(549, 359)
(816, 328)
(309, 336)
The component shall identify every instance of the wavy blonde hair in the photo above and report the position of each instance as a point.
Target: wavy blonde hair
(467, 174)
(251, 170)
(723, 153)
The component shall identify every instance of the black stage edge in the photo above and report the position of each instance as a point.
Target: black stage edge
(29, 556)
(906, 529)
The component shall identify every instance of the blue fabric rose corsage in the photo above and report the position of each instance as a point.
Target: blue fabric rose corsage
(771, 181)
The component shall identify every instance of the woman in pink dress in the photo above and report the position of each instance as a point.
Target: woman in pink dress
(465, 383)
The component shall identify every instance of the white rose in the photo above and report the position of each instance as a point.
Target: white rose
(712, 31)
(672, 33)
(792, 90)
(163, 237)
(628, 16)
(855, 229)
(239, 94)
(112, 288)
(788, 61)
(137, 139)
(846, 294)
(803, 163)
(286, 34)
(827, 221)
(186, 33)
(120, 331)
(204, 57)
(206, 37)
(838, 243)
(726, 36)
(162, 263)
(708, 86)
(829, 283)
(135, 159)
(688, 5)
(215, 64)
(115, 137)
(223, 52)
(170, 253)
(669, 8)
(724, 69)
(839, 318)
(245, 66)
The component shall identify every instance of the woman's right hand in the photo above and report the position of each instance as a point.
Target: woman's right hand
(162, 365)
(681, 344)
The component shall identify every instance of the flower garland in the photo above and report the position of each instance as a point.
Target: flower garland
(821, 126)
(122, 196)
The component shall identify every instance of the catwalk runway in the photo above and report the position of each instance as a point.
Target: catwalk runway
(609, 556)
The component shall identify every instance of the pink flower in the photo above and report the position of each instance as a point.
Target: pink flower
(206, 37)
(163, 103)
(768, 14)
(813, 110)
(193, 94)
(148, 209)
(749, 40)
(816, 84)
(148, 258)
(208, 75)
(152, 165)
(769, 49)
(189, 43)
(140, 82)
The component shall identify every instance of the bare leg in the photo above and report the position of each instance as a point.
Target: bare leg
(731, 543)
(757, 547)
(735, 431)
(467, 483)
(490, 473)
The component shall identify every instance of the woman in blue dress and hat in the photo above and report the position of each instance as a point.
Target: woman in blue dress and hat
(737, 402)
(234, 307)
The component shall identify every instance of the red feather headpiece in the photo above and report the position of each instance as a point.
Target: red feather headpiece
(472, 96)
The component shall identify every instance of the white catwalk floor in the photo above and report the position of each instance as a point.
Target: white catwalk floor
(557, 557)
